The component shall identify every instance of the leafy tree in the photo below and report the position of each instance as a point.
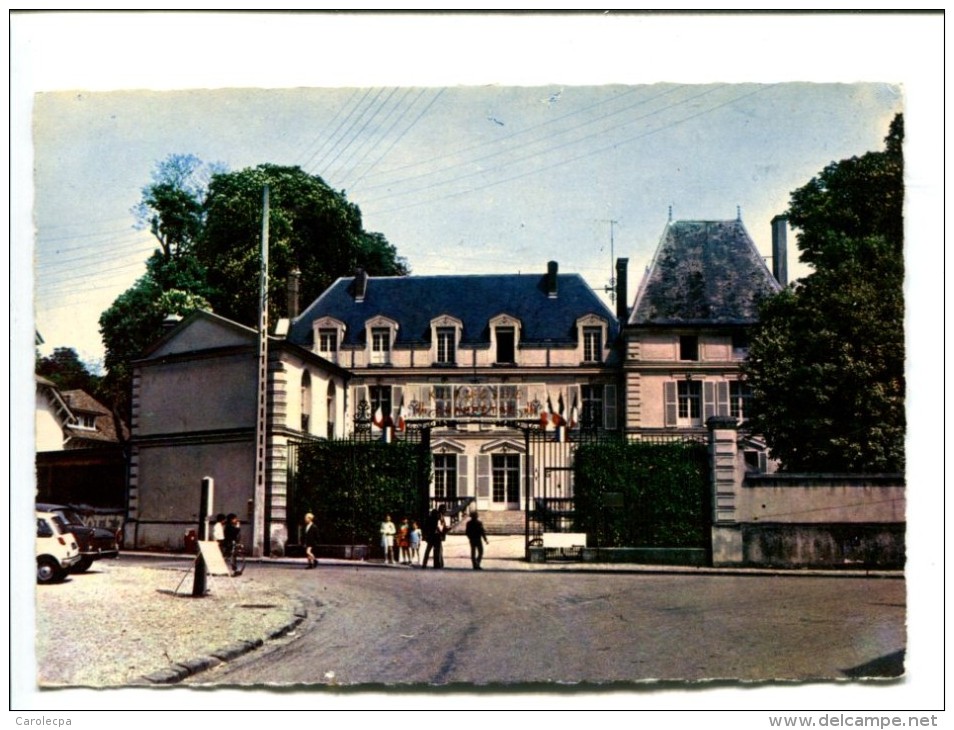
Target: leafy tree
(311, 227)
(171, 205)
(65, 369)
(826, 363)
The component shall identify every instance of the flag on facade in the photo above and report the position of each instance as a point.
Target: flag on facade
(400, 416)
(574, 413)
(378, 418)
(556, 416)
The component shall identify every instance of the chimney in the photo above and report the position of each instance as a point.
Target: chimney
(294, 279)
(780, 249)
(552, 268)
(622, 296)
(360, 285)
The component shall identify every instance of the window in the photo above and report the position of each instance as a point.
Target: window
(442, 401)
(592, 344)
(445, 476)
(327, 342)
(592, 413)
(380, 400)
(306, 402)
(380, 346)
(740, 345)
(507, 401)
(690, 402)
(688, 347)
(506, 477)
(506, 350)
(87, 421)
(446, 345)
(740, 395)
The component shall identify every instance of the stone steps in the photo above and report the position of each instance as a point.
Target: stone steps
(505, 522)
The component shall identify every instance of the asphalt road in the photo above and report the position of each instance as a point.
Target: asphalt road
(394, 626)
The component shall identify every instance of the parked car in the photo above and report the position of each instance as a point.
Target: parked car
(56, 548)
(94, 542)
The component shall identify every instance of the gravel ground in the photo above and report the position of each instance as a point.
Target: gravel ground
(117, 623)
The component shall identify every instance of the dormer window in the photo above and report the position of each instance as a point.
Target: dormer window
(591, 332)
(506, 345)
(446, 345)
(380, 346)
(592, 344)
(381, 333)
(504, 339)
(445, 336)
(329, 335)
(688, 347)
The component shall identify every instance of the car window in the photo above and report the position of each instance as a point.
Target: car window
(60, 523)
(43, 528)
(71, 517)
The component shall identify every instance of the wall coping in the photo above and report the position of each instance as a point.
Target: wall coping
(832, 479)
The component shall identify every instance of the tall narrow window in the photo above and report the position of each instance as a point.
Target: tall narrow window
(380, 402)
(506, 478)
(740, 395)
(592, 344)
(380, 346)
(688, 347)
(690, 402)
(592, 414)
(327, 342)
(442, 401)
(446, 345)
(506, 345)
(445, 476)
(306, 402)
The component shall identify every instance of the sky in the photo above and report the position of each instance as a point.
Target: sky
(475, 144)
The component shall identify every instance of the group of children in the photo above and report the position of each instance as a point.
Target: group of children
(403, 544)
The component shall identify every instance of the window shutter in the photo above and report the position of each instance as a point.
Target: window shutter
(483, 477)
(574, 401)
(462, 476)
(708, 400)
(397, 393)
(669, 393)
(360, 394)
(722, 398)
(609, 407)
(523, 480)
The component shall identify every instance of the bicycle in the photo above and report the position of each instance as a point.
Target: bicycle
(236, 559)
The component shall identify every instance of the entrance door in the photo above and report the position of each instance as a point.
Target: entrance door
(505, 493)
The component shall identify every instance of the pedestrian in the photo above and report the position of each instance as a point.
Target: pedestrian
(404, 542)
(438, 531)
(415, 540)
(477, 536)
(387, 538)
(310, 541)
(218, 531)
(430, 529)
(231, 533)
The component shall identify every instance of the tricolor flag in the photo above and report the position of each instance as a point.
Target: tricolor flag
(378, 418)
(574, 414)
(400, 416)
(556, 416)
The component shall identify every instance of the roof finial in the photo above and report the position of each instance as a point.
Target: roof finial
(670, 214)
(738, 212)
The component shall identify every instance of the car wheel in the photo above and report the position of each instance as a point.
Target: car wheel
(48, 570)
(82, 566)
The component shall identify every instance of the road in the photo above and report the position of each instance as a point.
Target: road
(400, 625)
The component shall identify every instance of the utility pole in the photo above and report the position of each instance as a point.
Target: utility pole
(611, 287)
(261, 426)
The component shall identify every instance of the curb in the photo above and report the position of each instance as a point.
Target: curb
(182, 670)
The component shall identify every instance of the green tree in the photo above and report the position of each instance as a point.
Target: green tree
(311, 227)
(65, 369)
(826, 363)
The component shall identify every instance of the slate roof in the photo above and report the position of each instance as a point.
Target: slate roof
(413, 301)
(703, 272)
(79, 402)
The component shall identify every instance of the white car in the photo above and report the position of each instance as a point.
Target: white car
(56, 548)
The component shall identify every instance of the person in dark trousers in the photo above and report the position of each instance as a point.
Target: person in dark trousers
(232, 533)
(477, 536)
(434, 531)
(310, 541)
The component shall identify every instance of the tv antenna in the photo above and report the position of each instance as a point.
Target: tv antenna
(611, 287)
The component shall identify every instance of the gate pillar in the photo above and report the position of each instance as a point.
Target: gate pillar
(723, 467)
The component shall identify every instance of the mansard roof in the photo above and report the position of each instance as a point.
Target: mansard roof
(414, 301)
(703, 272)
